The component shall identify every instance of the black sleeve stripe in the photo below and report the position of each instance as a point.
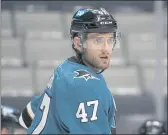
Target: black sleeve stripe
(113, 130)
(26, 118)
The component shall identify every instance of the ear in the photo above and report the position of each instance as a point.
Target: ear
(77, 44)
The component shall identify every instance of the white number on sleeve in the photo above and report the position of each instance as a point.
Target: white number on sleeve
(44, 108)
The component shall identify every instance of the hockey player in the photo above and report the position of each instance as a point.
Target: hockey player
(77, 99)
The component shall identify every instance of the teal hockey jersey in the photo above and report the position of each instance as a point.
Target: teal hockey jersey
(75, 101)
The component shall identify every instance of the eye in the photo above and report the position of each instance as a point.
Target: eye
(111, 40)
(98, 41)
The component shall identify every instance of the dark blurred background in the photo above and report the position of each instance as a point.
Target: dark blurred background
(35, 39)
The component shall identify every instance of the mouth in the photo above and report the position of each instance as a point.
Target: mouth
(104, 57)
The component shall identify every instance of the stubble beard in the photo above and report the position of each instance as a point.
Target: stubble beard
(94, 63)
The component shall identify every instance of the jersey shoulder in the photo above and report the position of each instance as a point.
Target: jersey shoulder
(70, 71)
(61, 75)
(72, 76)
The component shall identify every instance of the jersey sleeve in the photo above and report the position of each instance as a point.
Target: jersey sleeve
(28, 112)
(45, 121)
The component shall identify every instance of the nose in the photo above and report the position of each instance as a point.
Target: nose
(106, 45)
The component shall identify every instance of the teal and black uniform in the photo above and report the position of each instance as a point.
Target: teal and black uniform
(75, 101)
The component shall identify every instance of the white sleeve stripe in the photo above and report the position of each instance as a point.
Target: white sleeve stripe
(22, 122)
(113, 126)
(114, 104)
(30, 111)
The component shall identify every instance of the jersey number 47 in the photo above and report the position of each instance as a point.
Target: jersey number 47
(81, 113)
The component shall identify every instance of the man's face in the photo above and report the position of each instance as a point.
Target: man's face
(98, 49)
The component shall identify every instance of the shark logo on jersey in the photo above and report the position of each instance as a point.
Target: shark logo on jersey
(85, 75)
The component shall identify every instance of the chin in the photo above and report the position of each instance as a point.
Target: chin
(104, 66)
